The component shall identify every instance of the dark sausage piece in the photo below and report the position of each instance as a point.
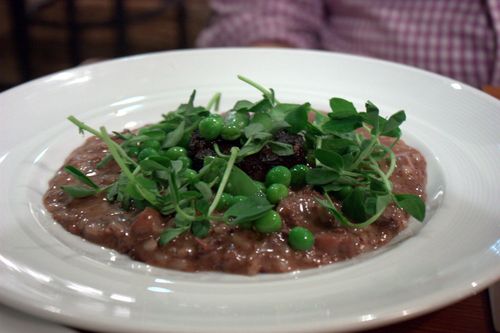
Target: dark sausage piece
(257, 165)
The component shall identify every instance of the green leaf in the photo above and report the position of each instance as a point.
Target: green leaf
(142, 188)
(80, 176)
(105, 160)
(371, 117)
(319, 118)
(202, 206)
(313, 129)
(174, 137)
(396, 133)
(153, 133)
(204, 189)
(376, 203)
(343, 125)
(321, 176)
(264, 120)
(239, 183)
(149, 164)
(363, 207)
(354, 205)
(242, 105)
(117, 191)
(370, 107)
(212, 170)
(280, 148)
(342, 106)
(332, 187)
(330, 159)
(251, 148)
(201, 228)
(261, 106)
(328, 204)
(394, 122)
(338, 145)
(247, 210)
(184, 217)
(79, 191)
(252, 129)
(112, 192)
(412, 204)
(297, 118)
(169, 234)
(377, 186)
(146, 183)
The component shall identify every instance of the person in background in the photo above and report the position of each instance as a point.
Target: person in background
(456, 38)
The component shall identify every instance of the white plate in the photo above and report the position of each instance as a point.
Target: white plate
(50, 273)
(13, 321)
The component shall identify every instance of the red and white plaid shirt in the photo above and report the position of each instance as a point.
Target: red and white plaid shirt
(456, 38)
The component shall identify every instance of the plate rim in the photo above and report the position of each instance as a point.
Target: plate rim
(481, 283)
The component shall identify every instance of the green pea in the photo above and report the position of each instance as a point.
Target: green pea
(211, 127)
(230, 132)
(151, 144)
(174, 153)
(299, 172)
(186, 161)
(300, 239)
(279, 175)
(190, 175)
(270, 222)
(147, 152)
(224, 201)
(276, 192)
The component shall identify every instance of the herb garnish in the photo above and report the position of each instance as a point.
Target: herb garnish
(347, 161)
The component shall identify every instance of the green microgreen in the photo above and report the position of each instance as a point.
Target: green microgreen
(347, 161)
(214, 102)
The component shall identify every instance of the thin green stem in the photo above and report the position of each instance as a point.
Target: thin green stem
(351, 174)
(185, 215)
(104, 136)
(383, 176)
(392, 161)
(150, 197)
(84, 127)
(266, 92)
(225, 178)
(365, 153)
(214, 102)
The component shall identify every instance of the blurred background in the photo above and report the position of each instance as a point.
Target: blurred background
(38, 37)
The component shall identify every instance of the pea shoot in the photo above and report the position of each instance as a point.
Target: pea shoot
(346, 162)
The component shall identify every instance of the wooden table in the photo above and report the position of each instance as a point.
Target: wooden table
(471, 315)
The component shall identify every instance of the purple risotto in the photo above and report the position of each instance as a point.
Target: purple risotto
(265, 187)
